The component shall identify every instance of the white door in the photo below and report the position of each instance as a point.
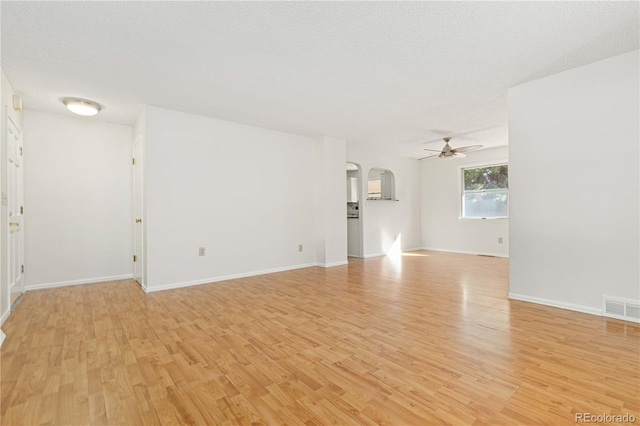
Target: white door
(15, 210)
(138, 264)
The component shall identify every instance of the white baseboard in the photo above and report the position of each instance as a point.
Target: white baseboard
(556, 304)
(78, 282)
(369, 256)
(412, 249)
(151, 289)
(506, 256)
(2, 337)
(5, 315)
(331, 265)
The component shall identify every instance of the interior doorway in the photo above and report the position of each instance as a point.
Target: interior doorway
(138, 212)
(354, 210)
(13, 198)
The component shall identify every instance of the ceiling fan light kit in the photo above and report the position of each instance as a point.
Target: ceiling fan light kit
(448, 152)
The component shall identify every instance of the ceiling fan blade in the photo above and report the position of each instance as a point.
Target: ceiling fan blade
(431, 141)
(429, 156)
(467, 148)
(434, 150)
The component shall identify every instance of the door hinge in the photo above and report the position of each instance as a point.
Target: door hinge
(22, 269)
(134, 258)
(133, 161)
(21, 210)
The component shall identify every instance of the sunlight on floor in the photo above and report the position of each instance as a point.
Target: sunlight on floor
(413, 253)
(395, 252)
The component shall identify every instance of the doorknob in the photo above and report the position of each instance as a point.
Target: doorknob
(138, 220)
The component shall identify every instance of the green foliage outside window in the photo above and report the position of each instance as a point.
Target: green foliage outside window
(485, 192)
(483, 178)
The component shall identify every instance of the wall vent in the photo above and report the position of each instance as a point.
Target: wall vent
(625, 309)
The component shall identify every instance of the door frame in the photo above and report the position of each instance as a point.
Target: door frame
(6, 243)
(361, 203)
(138, 197)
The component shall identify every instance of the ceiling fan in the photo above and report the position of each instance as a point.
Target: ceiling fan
(448, 152)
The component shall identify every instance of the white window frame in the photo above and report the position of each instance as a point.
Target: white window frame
(499, 162)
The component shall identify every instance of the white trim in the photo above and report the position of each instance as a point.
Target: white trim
(369, 256)
(151, 289)
(506, 256)
(139, 163)
(556, 304)
(361, 203)
(2, 337)
(476, 165)
(332, 264)
(475, 219)
(5, 316)
(79, 282)
(412, 249)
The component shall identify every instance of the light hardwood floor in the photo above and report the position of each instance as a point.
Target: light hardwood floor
(430, 340)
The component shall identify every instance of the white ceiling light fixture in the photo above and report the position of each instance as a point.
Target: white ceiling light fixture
(82, 107)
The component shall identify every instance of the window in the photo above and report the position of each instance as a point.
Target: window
(374, 188)
(485, 192)
(380, 185)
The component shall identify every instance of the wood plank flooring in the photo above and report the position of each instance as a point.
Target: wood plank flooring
(431, 339)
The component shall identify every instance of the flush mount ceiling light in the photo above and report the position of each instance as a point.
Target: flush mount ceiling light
(82, 106)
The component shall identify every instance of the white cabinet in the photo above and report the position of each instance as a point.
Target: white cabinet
(353, 237)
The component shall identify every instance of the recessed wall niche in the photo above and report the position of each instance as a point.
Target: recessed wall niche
(381, 184)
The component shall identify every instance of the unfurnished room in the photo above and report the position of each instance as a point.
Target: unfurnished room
(320, 213)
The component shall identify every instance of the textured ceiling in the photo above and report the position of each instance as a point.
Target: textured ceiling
(388, 74)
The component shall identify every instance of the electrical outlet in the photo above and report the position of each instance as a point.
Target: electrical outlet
(500, 240)
(300, 248)
(201, 251)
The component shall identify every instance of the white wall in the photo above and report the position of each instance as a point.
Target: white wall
(442, 228)
(575, 185)
(383, 221)
(331, 206)
(246, 194)
(78, 211)
(6, 94)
